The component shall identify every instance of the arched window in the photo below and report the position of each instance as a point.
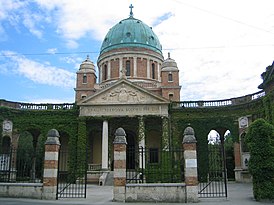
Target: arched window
(127, 68)
(170, 77)
(170, 96)
(84, 78)
(105, 72)
(153, 71)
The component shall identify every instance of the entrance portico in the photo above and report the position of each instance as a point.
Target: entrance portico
(128, 105)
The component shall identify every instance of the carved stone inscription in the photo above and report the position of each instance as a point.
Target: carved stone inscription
(126, 110)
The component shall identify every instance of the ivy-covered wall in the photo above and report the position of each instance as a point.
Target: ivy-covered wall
(202, 119)
(41, 121)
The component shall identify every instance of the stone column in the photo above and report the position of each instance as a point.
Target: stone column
(120, 67)
(148, 68)
(134, 66)
(141, 141)
(100, 73)
(191, 173)
(159, 71)
(105, 145)
(119, 175)
(109, 70)
(165, 134)
(52, 146)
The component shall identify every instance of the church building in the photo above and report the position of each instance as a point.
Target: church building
(133, 89)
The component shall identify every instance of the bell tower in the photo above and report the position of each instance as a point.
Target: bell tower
(170, 80)
(86, 80)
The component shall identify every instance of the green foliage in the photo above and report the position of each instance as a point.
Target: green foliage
(229, 153)
(168, 170)
(261, 164)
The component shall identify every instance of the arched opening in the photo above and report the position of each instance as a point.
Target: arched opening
(84, 79)
(170, 77)
(131, 150)
(223, 142)
(6, 143)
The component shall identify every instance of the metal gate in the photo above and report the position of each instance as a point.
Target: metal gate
(213, 184)
(72, 175)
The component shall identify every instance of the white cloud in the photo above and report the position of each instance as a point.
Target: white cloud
(38, 72)
(221, 47)
(52, 50)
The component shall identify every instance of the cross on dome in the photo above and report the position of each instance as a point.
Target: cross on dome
(131, 13)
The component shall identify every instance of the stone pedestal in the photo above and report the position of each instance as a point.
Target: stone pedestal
(52, 146)
(120, 146)
(191, 173)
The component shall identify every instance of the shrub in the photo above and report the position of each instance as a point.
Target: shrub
(261, 164)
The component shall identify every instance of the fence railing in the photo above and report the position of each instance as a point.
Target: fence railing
(153, 165)
(218, 103)
(37, 106)
(21, 165)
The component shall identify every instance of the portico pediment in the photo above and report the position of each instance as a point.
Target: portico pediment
(123, 98)
(123, 92)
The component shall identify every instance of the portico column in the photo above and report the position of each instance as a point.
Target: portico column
(141, 141)
(105, 145)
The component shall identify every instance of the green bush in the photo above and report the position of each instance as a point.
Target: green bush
(261, 163)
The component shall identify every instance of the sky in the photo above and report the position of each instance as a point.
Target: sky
(221, 46)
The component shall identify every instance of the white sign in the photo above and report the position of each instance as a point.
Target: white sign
(191, 163)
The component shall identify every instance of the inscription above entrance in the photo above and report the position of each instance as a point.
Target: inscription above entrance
(124, 110)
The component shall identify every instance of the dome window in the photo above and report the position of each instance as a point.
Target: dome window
(106, 39)
(127, 68)
(128, 34)
(152, 38)
(105, 72)
(153, 71)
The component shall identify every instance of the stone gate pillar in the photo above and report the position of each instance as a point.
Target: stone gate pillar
(52, 146)
(120, 146)
(191, 173)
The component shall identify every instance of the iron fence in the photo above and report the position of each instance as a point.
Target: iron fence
(153, 165)
(214, 183)
(72, 175)
(21, 165)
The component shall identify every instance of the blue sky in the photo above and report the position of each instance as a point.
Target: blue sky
(221, 47)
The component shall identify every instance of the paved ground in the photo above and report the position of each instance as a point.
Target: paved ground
(238, 194)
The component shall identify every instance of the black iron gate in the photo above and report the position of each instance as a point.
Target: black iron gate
(72, 175)
(153, 165)
(213, 182)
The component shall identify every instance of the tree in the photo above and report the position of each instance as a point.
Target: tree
(261, 164)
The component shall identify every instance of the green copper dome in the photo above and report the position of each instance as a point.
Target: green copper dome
(131, 32)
